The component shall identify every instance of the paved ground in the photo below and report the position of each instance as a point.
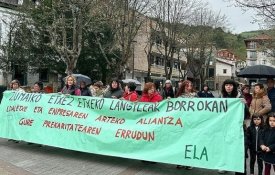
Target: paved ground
(24, 159)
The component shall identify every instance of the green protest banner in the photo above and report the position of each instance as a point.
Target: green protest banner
(197, 132)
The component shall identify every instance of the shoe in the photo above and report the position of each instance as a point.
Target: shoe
(221, 172)
(179, 166)
(189, 168)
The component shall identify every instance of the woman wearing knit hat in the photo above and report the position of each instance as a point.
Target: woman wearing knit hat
(167, 91)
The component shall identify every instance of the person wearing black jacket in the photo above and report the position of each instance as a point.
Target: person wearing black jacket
(205, 93)
(168, 91)
(85, 91)
(267, 144)
(253, 133)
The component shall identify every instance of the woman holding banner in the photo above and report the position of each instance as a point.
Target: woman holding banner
(130, 93)
(37, 87)
(230, 90)
(15, 86)
(114, 90)
(70, 87)
(186, 90)
(150, 94)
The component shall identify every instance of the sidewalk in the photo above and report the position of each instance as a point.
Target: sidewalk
(9, 169)
(24, 159)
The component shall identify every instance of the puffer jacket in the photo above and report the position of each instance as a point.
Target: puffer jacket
(132, 96)
(155, 97)
(260, 104)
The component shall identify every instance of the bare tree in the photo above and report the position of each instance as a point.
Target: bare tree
(63, 23)
(6, 55)
(265, 9)
(172, 17)
(126, 18)
(199, 41)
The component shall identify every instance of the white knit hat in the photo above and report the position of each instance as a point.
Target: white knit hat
(168, 82)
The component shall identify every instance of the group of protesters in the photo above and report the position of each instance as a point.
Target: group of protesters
(259, 115)
(259, 122)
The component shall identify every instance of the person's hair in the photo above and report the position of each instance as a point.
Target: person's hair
(148, 86)
(261, 86)
(98, 84)
(114, 89)
(257, 116)
(245, 86)
(205, 85)
(15, 81)
(132, 86)
(271, 114)
(234, 92)
(40, 84)
(84, 83)
(182, 87)
(70, 76)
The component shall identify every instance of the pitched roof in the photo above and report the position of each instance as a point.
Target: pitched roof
(260, 37)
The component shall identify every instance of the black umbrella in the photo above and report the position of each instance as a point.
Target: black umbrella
(257, 71)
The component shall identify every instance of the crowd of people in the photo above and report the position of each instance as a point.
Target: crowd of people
(259, 115)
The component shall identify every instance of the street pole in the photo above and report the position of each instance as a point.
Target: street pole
(133, 65)
(133, 71)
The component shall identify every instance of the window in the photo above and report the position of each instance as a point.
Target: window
(152, 59)
(159, 61)
(252, 45)
(158, 40)
(211, 72)
(176, 64)
(224, 71)
(253, 54)
(44, 75)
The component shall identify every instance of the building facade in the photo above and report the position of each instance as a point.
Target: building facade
(260, 50)
(225, 67)
(8, 14)
(142, 47)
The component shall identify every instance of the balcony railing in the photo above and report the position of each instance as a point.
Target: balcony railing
(10, 2)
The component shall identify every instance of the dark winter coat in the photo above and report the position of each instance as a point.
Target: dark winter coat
(267, 138)
(253, 136)
(205, 94)
(117, 93)
(271, 96)
(167, 92)
(85, 92)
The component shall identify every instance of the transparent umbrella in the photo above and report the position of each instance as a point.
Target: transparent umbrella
(131, 80)
(80, 77)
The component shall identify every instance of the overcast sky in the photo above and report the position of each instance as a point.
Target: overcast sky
(239, 21)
